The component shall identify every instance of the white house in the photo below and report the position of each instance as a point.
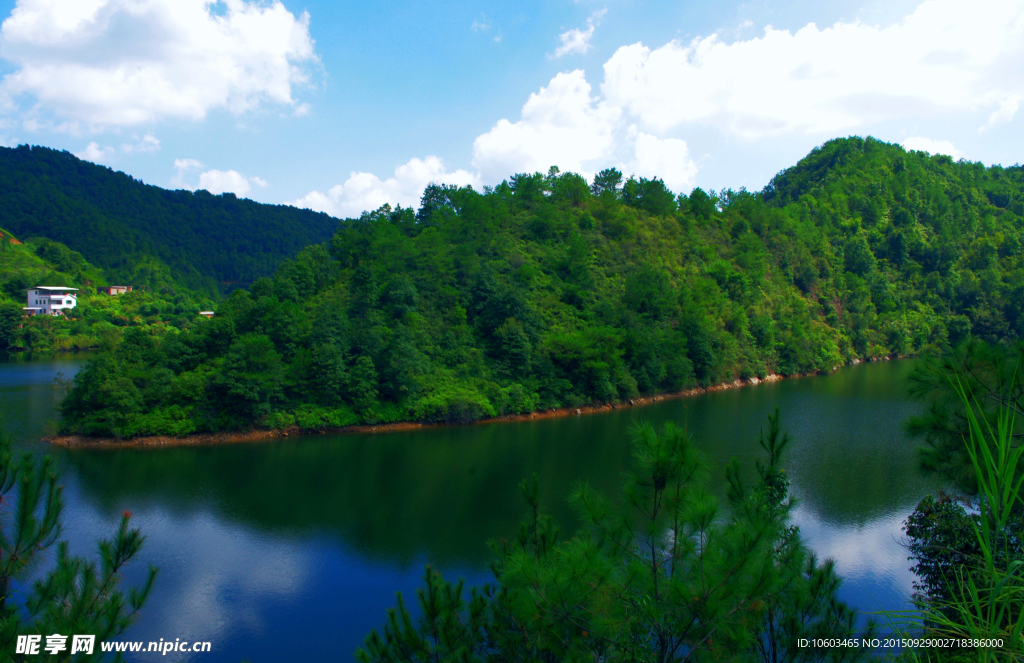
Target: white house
(50, 300)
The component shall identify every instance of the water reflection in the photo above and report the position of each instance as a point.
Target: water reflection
(306, 540)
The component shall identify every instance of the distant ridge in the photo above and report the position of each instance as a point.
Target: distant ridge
(210, 243)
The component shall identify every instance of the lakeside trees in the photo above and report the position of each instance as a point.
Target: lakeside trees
(544, 293)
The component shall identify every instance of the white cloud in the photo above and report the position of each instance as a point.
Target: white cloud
(1007, 109)
(366, 191)
(128, 62)
(576, 40)
(945, 56)
(146, 145)
(932, 146)
(215, 181)
(187, 164)
(667, 158)
(228, 181)
(96, 154)
(181, 167)
(480, 26)
(561, 125)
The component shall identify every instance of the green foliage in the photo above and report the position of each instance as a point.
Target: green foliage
(665, 576)
(543, 293)
(97, 318)
(972, 565)
(75, 595)
(652, 196)
(452, 404)
(992, 376)
(142, 234)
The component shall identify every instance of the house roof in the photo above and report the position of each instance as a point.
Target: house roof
(51, 287)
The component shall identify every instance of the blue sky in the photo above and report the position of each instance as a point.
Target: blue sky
(344, 106)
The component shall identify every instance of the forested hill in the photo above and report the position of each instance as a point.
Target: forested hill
(210, 243)
(549, 291)
(921, 228)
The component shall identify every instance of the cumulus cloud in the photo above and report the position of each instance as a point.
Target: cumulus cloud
(228, 181)
(187, 164)
(181, 168)
(667, 158)
(96, 154)
(945, 56)
(577, 40)
(366, 191)
(215, 181)
(561, 125)
(1007, 109)
(128, 62)
(146, 145)
(932, 146)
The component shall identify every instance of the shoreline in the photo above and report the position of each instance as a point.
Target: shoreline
(262, 435)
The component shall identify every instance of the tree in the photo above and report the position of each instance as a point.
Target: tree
(606, 183)
(436, 199)
(971, 565)
(650, 195)
(10, 321)
(76, 596)
(667, 576)
(991, 375)
(702, 206)
(859, 258)
(252, 374)
(570, 187)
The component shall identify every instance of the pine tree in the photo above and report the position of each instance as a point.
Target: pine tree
(76, 596)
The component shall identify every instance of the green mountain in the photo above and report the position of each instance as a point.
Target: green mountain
(547, 291)
(209, 243)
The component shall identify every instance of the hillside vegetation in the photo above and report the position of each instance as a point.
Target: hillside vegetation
(209, 243)
(550, 291)
(99, 318)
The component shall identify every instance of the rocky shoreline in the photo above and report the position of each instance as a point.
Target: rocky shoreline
(259, 435)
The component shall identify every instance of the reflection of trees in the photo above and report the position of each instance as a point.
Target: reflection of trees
(447, 491)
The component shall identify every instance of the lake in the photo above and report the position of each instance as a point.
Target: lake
(274, 549)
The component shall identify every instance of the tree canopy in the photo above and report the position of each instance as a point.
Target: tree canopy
(541, 292)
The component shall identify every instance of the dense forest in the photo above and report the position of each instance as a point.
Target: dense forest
(99, 318)
(551, 291)
(208, 243)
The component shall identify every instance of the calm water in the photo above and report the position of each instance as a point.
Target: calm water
(270, 549)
